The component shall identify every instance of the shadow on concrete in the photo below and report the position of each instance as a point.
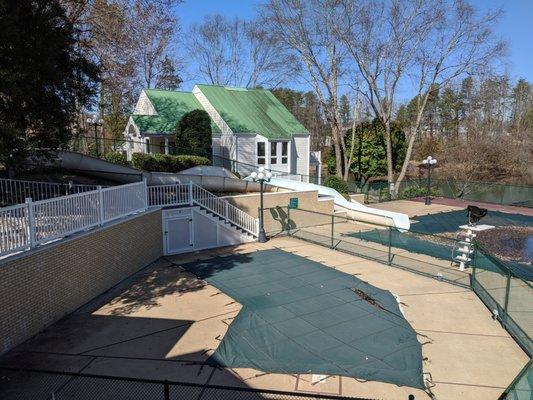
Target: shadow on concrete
(279, 215)
(150, 286)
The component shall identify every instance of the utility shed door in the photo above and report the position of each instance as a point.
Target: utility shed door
(177, 231)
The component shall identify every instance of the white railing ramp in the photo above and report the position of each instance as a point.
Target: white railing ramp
(25, 226)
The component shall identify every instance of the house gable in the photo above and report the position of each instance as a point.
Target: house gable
(252, 111)
(144, 106)
(168, 108)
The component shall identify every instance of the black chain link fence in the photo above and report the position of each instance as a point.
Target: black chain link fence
(26, 384)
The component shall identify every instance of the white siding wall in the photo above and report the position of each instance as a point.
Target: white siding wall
(144, 105)
(300, 154)
(246, 152)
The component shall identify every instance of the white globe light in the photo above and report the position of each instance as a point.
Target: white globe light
(430, 158)
(261, 169)
(268, 175)
(253, 175)
(433, 161)
(260, 175)
(424, 161)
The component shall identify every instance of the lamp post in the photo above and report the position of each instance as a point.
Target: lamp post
(261, 176)
(428, 163)
(96, 122)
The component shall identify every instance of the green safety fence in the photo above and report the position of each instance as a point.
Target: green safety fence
(505, 194)
(522, 386)
(505, 291)
(488, 192)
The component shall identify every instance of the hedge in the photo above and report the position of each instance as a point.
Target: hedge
(418, 191)
(117, 158)
(336, 183)
(166, 162)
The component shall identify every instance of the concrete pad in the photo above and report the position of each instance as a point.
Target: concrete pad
(150, 369)
(162, 322)
(248, 377)
(317, 384)
(378, 390)
(414, 208)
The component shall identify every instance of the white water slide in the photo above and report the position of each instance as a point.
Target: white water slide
(355, 210)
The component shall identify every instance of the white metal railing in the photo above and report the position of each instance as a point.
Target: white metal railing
(119, 201)
(35, 222)
(192, 194)
(14, 228)
(168, 195)
(15, 191)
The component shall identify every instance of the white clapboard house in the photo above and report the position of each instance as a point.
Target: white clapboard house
(250, 128)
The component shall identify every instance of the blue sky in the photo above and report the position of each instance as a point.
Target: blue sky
(516, 26)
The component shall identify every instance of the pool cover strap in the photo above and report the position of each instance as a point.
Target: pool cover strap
(299, 316)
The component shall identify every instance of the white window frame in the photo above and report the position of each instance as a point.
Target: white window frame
(273, 153)
(285, 157)
(264, 156)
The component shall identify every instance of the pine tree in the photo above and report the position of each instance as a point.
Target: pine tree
(168, 78)
(45, 77)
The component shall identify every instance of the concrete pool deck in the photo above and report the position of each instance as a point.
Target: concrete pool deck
(162, 323)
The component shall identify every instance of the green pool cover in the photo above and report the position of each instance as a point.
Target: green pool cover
(299, 316)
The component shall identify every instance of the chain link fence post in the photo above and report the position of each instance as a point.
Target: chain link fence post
(166, 390)
(473, 274)
(506, 301)
(332, 229)
(390, 246)
(288, 220)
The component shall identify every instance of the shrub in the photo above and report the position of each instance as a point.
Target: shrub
(336, 183)
(418, 191)
(166, 162)
(117, 158)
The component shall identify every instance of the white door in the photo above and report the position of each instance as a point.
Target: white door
(177, 237)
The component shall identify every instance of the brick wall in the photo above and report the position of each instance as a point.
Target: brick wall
(43, 285)
(276, 209)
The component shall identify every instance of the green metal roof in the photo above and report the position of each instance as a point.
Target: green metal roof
(170, 106)
(252, 111)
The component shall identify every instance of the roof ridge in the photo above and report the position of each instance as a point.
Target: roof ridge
(167, 90)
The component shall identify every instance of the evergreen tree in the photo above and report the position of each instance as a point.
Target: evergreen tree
(193, 133)
(370, 157)
(44, 77)
(168, 78)
(344, 109)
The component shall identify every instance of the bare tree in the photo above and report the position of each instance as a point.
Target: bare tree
(307, 28)
(429, 42)
(237, 52)
(154, 30)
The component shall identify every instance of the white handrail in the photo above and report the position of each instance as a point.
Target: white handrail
(27, 225)
(15, 191)
(224, 209)
(191, 194)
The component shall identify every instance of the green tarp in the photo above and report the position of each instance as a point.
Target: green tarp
(299, 316)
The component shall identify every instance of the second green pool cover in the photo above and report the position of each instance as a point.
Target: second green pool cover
(299, 316)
